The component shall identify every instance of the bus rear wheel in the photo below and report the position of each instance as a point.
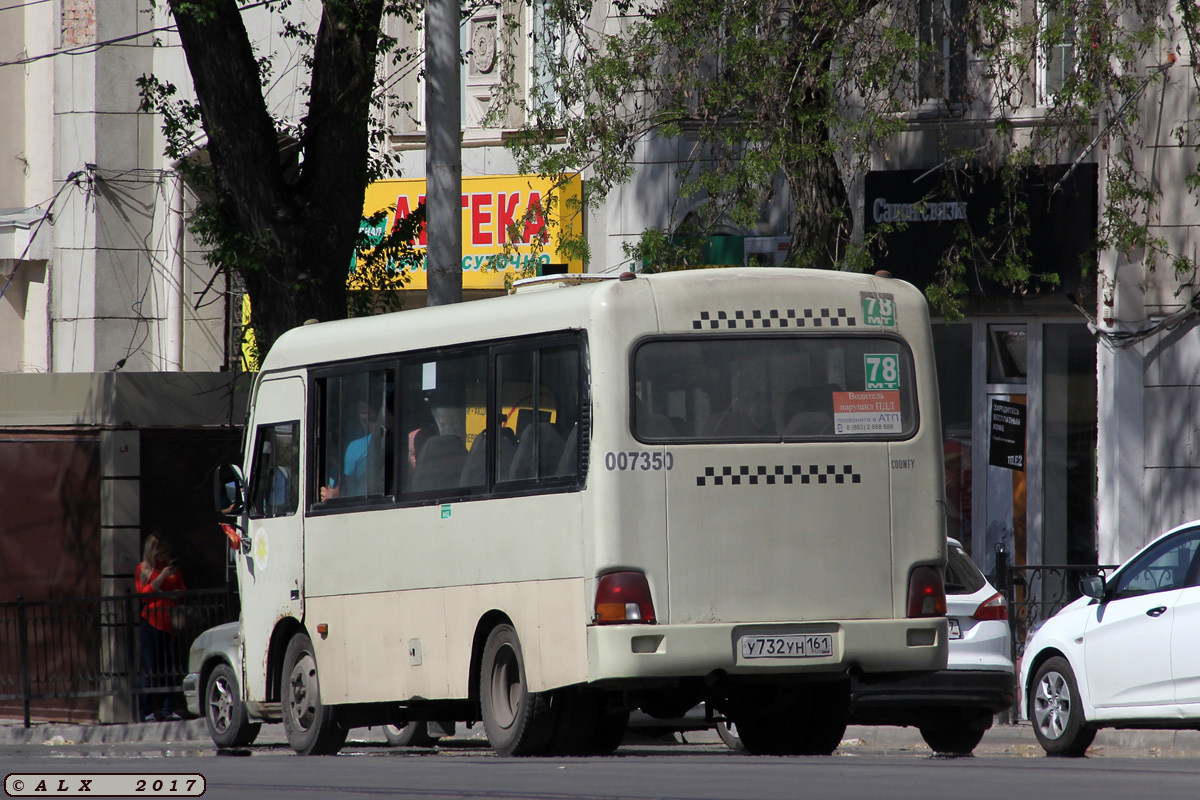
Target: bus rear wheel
(812, 724)
(518, 722)
(309, 724)
(587, 723)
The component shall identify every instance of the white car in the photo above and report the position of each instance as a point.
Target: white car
(954, 707)
(1125, 655)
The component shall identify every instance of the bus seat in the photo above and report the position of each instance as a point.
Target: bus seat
(439, 464)
(729, 423)
(568, 462)
(651, 423)
(526, 460)
(809, 423)
(809, 410)
(474, 471)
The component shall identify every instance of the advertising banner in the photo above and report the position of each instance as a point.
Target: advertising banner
(497, 236)
(1006, 439)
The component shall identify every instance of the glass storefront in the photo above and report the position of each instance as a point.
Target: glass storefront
(1018, 404)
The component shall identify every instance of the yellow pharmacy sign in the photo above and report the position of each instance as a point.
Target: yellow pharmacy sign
(493, 218)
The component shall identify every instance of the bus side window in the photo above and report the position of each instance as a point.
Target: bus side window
(274, 474)
(440, 413)
(358, 443)
(538, 392)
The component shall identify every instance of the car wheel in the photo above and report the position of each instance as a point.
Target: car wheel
(728, 732)
(954, 738)
(228, 723)
(308, 723)
(1056, 712)
(414, 734)
(518, 722)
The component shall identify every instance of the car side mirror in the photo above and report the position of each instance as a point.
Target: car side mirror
(1093, 586)
(229, 490)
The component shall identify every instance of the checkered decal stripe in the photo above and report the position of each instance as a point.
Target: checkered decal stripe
(774, 318)
(770, 476)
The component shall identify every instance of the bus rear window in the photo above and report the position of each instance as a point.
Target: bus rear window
(773, 388)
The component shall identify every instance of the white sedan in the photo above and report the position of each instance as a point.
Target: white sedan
(1125, 655)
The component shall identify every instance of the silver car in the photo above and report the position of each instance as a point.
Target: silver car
(213, 688)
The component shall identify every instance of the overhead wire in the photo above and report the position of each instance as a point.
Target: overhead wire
(88, 49)
(71, 180)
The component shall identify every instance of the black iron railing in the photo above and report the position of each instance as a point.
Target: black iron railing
(89, 647)
(1036, 592)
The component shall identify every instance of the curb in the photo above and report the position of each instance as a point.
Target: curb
(1015, 738)
(61, 733)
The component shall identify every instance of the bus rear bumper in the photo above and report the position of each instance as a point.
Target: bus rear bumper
(640, 652)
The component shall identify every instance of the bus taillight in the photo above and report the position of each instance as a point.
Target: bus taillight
(926, 593)
(623, 597)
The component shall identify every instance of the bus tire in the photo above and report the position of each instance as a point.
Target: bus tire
(309, 724)
(411, 734)
(586, 725)
(729, 735)
(957, 737)
(813, 725)
(518, 722)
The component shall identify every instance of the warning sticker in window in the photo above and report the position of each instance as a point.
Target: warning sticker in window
(870, 412)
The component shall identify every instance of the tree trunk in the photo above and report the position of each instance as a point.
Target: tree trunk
(821, 219)
(290, 235)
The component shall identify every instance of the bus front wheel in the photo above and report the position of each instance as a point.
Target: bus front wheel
(308, 723)
(518, 722)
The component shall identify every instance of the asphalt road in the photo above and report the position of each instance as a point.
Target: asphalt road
(704, 771)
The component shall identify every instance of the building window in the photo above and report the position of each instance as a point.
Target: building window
(940, 34)
(547, 46)
(1055, 53)
(1007, 353)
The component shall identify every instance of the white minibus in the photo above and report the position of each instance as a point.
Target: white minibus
(595, 495)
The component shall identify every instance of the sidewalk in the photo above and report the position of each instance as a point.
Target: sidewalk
(1015, 739)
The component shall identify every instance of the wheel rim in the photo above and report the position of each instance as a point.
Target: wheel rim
(220, 704)
(1052, 705)
(506, 687)
(303, 694)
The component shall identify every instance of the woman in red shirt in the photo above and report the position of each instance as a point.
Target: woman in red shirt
(157, 572)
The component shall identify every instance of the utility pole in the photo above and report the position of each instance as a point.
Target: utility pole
(443, 152)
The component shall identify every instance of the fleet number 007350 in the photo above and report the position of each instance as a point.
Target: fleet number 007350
(638, 460)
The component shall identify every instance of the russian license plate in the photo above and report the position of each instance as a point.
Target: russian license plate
(792, 645)
(955, 630)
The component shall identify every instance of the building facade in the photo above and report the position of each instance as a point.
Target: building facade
(1070, 427)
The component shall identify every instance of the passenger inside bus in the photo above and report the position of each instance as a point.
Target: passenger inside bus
(366, 458)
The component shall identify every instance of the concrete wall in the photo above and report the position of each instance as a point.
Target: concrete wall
(1149, 391)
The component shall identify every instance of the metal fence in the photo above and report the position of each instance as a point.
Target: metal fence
(90, 647)
(1036, 592)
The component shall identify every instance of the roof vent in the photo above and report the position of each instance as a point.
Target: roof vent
(556, 281)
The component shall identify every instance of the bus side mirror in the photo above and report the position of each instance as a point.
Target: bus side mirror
(1092, 586)
(229, 490)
